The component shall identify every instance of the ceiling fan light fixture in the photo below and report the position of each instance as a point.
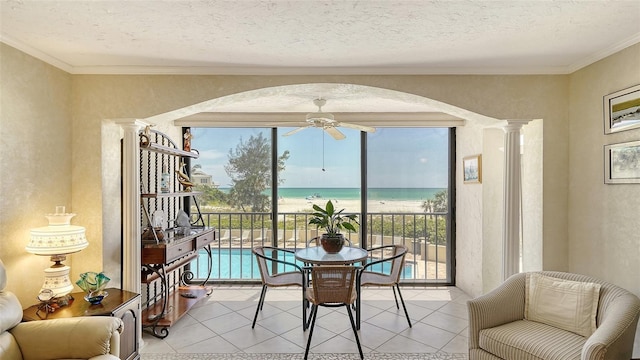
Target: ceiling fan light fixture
(320, 116)
(326, 122)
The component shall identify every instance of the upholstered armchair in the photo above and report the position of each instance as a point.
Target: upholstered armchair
(500, 329)
(95, 337)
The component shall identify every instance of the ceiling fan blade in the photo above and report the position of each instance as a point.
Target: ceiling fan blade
(357, 127)
(286, 124)
(296, 130)
(335, 133)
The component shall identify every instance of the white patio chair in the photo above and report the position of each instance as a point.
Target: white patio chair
(226, 235)
(245, 236)
(262, 235)
(295, 236)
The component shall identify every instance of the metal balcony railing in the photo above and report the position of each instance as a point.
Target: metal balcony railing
(424, 234)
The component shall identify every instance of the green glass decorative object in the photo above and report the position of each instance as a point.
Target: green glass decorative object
(93, 284)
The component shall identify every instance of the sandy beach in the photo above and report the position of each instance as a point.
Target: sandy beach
(291, 205)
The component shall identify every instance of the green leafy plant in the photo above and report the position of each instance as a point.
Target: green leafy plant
(332, 221)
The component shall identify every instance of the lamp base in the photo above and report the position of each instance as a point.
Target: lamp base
(56, 279)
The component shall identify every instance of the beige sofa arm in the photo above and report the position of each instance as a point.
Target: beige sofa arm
(502, 305)
(614, 336)
(78, 338)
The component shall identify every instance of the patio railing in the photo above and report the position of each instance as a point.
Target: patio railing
(424, 234)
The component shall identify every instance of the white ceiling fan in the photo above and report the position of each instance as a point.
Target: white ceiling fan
(327, 122)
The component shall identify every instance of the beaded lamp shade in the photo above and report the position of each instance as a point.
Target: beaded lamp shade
(57, 239)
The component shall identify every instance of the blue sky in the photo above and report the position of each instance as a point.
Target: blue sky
(398, 157)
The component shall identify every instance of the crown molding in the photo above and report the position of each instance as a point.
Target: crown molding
(630, 41)
(274, 71)
(310, 71)
(36, 53)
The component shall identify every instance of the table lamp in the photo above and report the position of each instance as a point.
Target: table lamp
(57, 240)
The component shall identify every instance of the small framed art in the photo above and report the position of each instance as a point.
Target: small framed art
(622, 163)
(622, 110)
(472, 166)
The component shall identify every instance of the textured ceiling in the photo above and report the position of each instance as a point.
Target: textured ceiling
(308, 37)
(320, 37)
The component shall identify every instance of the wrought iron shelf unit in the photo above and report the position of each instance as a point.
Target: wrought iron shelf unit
(147, 144)
(170, 195)
(167, 254)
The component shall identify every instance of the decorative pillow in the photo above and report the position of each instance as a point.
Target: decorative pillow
(565, 304)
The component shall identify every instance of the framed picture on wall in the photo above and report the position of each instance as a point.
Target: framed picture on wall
(622, 110)
(472, 168)
(622, 163)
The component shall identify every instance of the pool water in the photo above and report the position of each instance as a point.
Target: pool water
(235, 264)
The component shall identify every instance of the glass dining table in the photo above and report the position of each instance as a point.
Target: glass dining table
(317, 256)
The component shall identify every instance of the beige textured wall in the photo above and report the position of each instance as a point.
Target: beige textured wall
(35, 163)
(493, 207)
(532, 190)
(604, 231)
(95, 148)
(469, 214)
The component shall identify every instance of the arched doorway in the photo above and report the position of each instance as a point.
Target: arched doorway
(415, 109)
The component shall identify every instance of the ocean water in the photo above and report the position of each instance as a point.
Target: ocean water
(354, 193)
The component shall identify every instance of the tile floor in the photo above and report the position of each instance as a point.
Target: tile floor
(222, 324)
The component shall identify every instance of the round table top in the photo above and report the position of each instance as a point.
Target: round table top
(316, 255)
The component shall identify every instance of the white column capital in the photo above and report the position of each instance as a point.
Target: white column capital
(515, 124)
(131, 123)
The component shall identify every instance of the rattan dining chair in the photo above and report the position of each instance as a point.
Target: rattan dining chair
(393, 254)
(332, 286)
(287, 274)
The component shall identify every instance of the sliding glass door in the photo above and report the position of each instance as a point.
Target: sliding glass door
(259, 186)
(407, 197)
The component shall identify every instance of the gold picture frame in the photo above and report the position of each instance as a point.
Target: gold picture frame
(622, 110)
(472, 169)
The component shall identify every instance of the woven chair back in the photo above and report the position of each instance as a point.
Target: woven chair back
(333, 284)
(397, 264)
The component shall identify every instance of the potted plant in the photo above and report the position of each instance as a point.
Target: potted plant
(332, 222)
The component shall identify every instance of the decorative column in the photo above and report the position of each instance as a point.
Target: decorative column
(131, 245)
(512, 206)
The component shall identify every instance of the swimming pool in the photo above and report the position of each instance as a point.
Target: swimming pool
(240, 264)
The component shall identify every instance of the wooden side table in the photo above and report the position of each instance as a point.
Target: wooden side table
(120, 303)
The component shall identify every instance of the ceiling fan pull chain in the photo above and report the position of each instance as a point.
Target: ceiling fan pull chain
(322, 149)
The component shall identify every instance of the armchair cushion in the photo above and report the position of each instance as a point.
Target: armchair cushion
(565, 304)
(10, 316)
(69, 338)
(531, 340)
(10, 311)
